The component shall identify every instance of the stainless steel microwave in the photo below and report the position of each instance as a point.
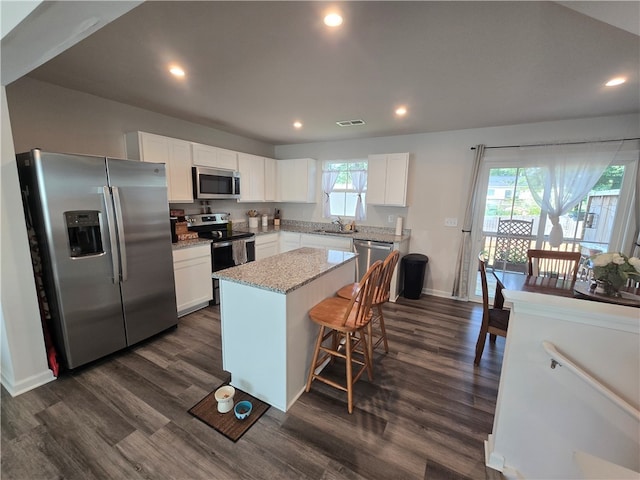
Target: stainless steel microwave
(214, 183)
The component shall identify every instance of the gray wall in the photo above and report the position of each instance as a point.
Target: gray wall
(58, 119)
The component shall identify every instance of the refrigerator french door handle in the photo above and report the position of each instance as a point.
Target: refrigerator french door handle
(111, 222)
(123, 251)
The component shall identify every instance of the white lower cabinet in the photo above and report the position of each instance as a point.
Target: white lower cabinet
(326, 241)
(192, 272)
(266, 245)
(289, 241)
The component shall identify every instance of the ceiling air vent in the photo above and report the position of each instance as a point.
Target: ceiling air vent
(350, 123)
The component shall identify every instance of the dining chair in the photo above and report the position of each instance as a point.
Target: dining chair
(554, 264)
(495, 321)
(343, 332)
(376, 329)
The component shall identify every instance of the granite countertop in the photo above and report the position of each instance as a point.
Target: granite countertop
(189, 243)
(287, 271)
(375, 234)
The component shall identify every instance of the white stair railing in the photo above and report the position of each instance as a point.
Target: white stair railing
(558, 359)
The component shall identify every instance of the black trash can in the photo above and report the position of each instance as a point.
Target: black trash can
(414, 266)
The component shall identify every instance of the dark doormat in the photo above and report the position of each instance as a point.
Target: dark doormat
(227, 424)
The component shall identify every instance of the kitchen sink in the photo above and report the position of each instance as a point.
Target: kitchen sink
(344, 232)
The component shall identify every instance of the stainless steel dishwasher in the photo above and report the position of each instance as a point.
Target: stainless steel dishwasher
(369, 252)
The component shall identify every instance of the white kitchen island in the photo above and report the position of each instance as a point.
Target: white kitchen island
(267, 335)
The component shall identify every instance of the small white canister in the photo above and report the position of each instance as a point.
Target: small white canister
(265, 220)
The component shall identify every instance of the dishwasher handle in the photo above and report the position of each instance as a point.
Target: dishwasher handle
(373, 245)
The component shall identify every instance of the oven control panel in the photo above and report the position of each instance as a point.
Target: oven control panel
(202, 219)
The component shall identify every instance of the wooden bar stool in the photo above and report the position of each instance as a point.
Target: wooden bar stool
(376, 329)
(343, 325)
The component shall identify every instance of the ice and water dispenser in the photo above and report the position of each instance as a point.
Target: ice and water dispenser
(83, 230)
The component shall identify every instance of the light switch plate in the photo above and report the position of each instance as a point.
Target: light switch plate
(450, 222)
(390, 219)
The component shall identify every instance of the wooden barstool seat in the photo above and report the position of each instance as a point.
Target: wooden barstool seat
(343, 332)
(376, 329)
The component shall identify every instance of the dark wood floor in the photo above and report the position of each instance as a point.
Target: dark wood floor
(425, 415)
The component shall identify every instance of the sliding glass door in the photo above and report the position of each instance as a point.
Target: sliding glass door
(509, 221)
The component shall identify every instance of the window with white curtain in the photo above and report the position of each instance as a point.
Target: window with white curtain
(344, 188)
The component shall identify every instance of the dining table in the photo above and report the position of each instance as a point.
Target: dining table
(629, 296)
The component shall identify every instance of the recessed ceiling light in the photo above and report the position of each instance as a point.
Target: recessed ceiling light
(615, 81)
(401, 111)
(297, 124)
(176, 71)
(333, 20)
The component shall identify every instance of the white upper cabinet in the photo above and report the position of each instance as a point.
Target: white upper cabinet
(257, 178)
(174, 153)
(214, 157)
(252, 178)
(387, 179)
(296, 180)
(270, 179)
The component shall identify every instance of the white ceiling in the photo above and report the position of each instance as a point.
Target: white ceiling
(255, 67)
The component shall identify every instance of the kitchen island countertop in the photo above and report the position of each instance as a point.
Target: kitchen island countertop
(285, 272)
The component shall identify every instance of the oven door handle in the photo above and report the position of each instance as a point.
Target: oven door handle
(228, 244)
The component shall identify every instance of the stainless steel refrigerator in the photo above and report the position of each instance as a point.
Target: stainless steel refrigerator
(103, 230)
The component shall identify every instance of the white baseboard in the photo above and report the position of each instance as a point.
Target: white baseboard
(24, 385)
(497, 462)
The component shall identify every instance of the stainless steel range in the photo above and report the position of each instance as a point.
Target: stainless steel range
(228, 248)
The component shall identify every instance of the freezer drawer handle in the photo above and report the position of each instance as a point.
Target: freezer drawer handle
(123, 251)
(112, 234)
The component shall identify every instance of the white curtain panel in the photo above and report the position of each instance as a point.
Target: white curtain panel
(635, 251)
(461, 280)
(359, 180)
(565, 174)
(329, 178)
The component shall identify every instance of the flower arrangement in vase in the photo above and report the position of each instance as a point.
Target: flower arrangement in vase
(612, 270)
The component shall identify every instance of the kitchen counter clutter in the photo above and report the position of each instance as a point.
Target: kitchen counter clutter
(267, 336)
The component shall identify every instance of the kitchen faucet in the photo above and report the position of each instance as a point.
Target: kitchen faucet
(339, 223)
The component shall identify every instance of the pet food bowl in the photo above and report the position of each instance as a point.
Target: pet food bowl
(242, 409)
(224, 397)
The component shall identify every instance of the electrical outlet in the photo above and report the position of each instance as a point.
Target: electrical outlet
(390, 219)
(450, 222)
